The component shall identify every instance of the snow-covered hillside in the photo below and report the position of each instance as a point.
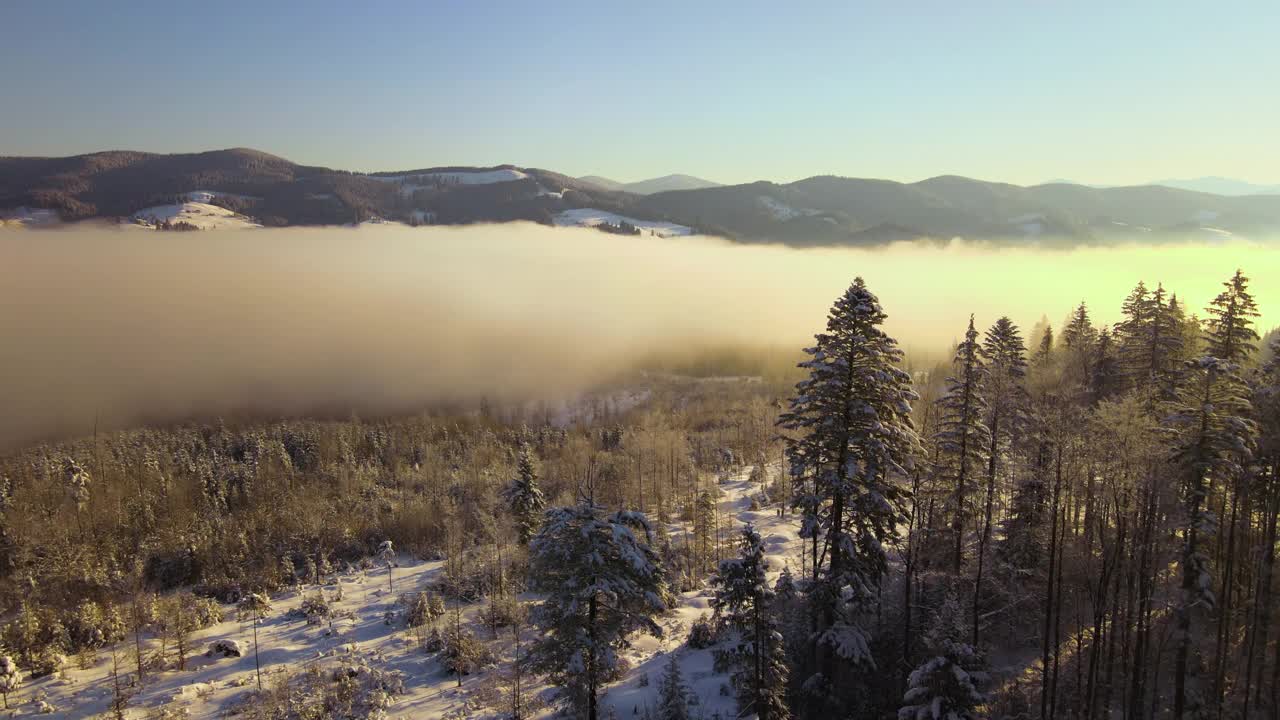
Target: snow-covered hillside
(412, 182)
(360, 636)
(781, 211)
(590, 217)
(201, 215)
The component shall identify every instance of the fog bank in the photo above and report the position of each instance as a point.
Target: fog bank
(123, 326)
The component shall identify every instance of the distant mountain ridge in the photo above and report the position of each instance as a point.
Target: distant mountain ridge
(1212, 184)
(1222, 186)
(822, 210)
(652, 185)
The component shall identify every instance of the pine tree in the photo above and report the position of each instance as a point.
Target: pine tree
(853, 444)
(1006, 367)
(603, 582)
(704, 529)
(1229, 328)
(1212, 437)
(1022, 534)
(255, 606)
(1044, 349)
(945, 687)
(10, 678)
(1080, 341)
(743, 602)
(1106, 378)
(962, 435)
(673, 696)
(288, 573)
(1149, 341)
(1230, 337)
(788, 606)
(524, 497)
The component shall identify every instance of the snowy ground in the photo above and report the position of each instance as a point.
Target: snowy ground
(211, 687)
(590, 217)
(202, 215)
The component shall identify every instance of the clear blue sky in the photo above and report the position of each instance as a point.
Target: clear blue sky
(1022, 91)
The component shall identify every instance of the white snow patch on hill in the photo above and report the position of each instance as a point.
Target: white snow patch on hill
(782, 211)
(381, 221)
(207, 196)
(417, 181)
(1031, 224)
(201, 215)
(590, 217)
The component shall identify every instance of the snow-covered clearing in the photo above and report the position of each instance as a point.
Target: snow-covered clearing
(207, 196)
(210, 687)
(413, 182)
(201, 215)
(783, 211)
(590, 217)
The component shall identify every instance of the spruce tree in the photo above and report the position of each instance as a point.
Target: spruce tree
(524, 497)
(1044, 349)
(946, 686)
(673, 696)
(1149, 341)
(603, 581)
(255, 606)
(1229, 328)
(1212, 438)
(1106, 378)
(1006, 368)
(743, 602)
(10, 678)
(962, 435)
(852, 442)
(1080, 340)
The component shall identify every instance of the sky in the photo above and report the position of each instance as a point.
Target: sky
(1022, 92)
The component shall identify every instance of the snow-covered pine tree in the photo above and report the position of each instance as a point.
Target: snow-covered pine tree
(1230, 337)
(1022, 534)
(1229, 328)
(1212, 436)
(10, 678)
(673, 696)
(851, 444)
(1149, 342)
(1080, 340)
(788, 607)
(946, 686)
(288, 572)
(963, 437)
(524, 497)
(603, 582)
(1044, 348)
(743, 602)
(1006, 369)
(1106, 379)
(704, 530)
(255, 606)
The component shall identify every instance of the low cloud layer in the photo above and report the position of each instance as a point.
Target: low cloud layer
(124, 327)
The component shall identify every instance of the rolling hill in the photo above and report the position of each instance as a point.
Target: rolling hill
(267, 190)
(652, 185)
